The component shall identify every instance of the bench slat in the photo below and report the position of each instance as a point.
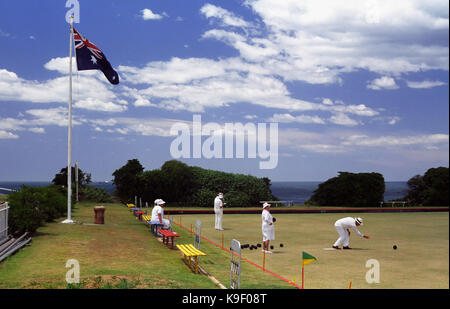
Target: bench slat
(190, 250)
(168, 233)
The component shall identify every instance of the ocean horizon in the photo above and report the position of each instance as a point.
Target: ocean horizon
(297, 192)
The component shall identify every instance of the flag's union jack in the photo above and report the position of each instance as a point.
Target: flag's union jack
(90, 57)
(81, 41)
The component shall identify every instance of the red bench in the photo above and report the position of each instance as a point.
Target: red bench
(139, 214)
(167, 234)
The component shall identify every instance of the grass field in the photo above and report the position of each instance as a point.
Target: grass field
(124, 254)
(421, 260)
(121, 254)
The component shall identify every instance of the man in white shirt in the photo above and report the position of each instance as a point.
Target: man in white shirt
(158, 214)
(268, 230)
(343, 226)
(218, 210)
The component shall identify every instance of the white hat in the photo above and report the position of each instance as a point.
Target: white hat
(160, 202)
(156, 202)
(359, 220)
(220, 195)
(265, 205)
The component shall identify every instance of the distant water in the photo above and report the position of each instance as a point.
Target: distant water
(300, 191)
(296, 191)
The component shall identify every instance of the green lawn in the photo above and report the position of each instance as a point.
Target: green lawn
(421, 260)
(124, 254)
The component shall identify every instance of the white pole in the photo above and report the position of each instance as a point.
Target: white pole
(69, 139)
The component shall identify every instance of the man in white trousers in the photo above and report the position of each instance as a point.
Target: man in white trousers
(268, 230)
(218, 210)
(343, 227)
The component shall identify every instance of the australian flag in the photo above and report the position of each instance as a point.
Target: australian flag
(90, 57)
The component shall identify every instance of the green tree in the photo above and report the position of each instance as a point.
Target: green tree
(350, 189)
(416, 190)
(178, 180)
(436, 182)
(431, 189)
(60, 178)
(126, 180)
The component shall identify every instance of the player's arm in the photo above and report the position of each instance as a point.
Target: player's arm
(357, 232)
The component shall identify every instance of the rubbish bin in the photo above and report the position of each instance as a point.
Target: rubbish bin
(99, 214)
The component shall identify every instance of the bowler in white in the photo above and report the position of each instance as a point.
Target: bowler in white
(343, 227)
(268, 230)
(218, 210)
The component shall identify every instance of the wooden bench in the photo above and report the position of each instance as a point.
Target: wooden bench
(154, 227)
(139, 214)
(147, 219)
(168, 234)
(190, 256)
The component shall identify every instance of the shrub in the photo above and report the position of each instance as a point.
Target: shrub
(30, 207)
(97, 195)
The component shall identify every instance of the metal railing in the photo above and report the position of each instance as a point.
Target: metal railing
(3, 221)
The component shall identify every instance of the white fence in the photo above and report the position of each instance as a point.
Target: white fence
(3, 221)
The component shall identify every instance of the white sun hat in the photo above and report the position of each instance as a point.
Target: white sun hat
(161, 202)
(359, 220)
(220, 195)
(265, 205)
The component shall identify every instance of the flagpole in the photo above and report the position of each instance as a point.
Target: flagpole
(69, 138)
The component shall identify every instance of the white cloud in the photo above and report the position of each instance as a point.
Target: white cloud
(147, 14)
(318, 40)
(343, 119)
(99, 105)
(399, 141)
(425, 84)
(90, 89)
(37, 130)
(384, 82)
(288, 118)
(227, 18)
(7, 135)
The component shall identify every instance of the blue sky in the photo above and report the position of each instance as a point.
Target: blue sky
(358, 86)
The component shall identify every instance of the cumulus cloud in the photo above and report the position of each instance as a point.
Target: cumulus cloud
(384, 82)
(348, 141)
(226, 17)
(317, 41)
(147, 14)
(90, 89)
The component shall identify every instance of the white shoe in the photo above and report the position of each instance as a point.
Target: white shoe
(270, 252)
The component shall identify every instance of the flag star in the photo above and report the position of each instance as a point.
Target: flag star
(94, 61)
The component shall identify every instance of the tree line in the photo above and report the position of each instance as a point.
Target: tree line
(182, 185)
(367, 190)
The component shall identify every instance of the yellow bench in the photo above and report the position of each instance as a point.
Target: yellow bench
(130, 206)
(147, 218)
(190, 256)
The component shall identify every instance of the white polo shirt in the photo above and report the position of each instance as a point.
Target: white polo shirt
(155, 211)
(348, 223)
